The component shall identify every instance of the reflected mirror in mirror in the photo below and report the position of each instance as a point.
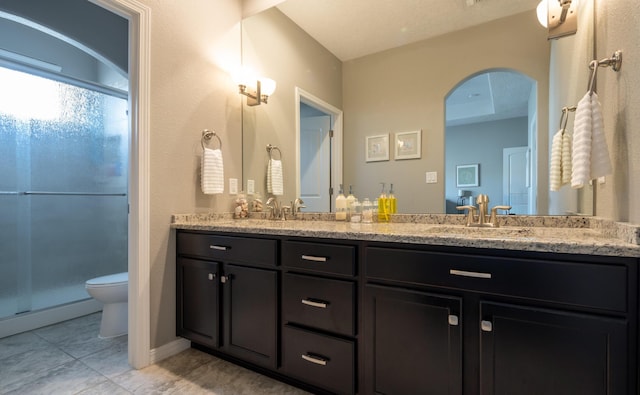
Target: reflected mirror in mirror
(400, 83)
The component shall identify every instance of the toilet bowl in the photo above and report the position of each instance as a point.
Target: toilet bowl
(112, 291)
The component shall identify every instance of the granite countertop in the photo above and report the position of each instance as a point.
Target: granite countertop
(572, 235)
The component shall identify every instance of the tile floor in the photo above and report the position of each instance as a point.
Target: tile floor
(69, 358)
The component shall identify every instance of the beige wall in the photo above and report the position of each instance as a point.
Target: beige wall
(404, 89)
(617, 28)
(190, 91)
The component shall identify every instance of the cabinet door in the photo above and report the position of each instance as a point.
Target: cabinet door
(413, 342)
(534, 351)
(251, 314)
(197, 310)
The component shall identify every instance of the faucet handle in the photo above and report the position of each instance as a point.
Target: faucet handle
(470, 213)
(285, 210)
(494, 215)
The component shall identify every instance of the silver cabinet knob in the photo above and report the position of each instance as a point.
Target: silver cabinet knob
(486, 326)
(211, 276)
(453, 320)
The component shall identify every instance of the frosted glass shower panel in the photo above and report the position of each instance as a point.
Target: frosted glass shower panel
(63, 189)
(84, 151)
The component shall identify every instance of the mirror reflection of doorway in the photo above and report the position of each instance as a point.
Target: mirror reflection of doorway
(319, 151)
(489, 122)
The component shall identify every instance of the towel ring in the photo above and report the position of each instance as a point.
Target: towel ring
(207, 135)
(615, 62)
(271, 148)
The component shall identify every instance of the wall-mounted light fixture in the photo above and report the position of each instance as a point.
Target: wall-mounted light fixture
(256, 89)
(559, 16)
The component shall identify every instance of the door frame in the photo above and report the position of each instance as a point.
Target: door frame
(302, 96)
(139, 17)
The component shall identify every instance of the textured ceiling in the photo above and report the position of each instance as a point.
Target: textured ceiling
(355, 28)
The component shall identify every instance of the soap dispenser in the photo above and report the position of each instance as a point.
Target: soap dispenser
(391, 201)
(341, 206)
(350, 200)
(383, 213)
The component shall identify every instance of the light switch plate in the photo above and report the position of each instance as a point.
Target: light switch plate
(233, 186)
(251, 187)
(432, 177)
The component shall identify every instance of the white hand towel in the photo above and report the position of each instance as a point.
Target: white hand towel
(590, 155)
(560, 166)
(555, 167)
(212, 172)
(567, 162)
(600, 161)
(275, 182)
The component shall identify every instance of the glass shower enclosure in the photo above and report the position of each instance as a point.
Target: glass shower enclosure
(63, 189)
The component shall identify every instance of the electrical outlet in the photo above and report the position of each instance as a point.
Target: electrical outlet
(432, 177)
(233, 186)
(251, 187)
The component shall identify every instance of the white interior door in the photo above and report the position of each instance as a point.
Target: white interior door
(315, 163)
(516, 184)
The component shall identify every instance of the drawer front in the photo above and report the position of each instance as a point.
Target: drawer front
(600, 286)
(326, 258)
(319, 303)
(228, 248)
(320, 360)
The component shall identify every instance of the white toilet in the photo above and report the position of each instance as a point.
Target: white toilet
(112, 291)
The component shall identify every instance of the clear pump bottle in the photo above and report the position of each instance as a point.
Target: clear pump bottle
(341, 206)
(392, 202)
(350, 200)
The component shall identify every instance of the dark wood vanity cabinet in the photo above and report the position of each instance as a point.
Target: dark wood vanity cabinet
(227, 295)
(455, 323)
(357, 317)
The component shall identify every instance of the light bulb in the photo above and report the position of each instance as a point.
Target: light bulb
(543, 12)
(267, 86)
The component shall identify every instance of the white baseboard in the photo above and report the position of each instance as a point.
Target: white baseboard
(169, 349)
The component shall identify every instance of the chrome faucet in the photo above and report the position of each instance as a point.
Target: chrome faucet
(482, 209)
(277, 211)
(296, 205)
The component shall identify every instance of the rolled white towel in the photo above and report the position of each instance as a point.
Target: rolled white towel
(212, 172)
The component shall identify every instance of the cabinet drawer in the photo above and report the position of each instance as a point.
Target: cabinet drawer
(320, 360)
(600, 286)
(319, 303)
(227, 248)
(327, 258)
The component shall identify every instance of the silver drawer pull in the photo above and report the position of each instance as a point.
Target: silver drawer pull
(314, 258)
(486, 326)
(464, 273)
(322, 305)
(219, 248)
(316, 360)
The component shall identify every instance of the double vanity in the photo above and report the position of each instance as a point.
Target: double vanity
(423, 305)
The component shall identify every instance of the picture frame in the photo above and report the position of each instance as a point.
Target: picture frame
(467, 175)
(408, 145)
(377, 148)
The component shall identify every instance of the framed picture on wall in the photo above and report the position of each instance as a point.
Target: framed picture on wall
(377, 148)
(467, 175)
(408, 145)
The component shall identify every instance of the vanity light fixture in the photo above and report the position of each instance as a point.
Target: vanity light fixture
(559, 16)
(256, 89)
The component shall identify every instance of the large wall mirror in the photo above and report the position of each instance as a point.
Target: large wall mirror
(485, 67)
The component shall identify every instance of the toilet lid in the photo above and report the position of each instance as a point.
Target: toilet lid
(111, 279)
